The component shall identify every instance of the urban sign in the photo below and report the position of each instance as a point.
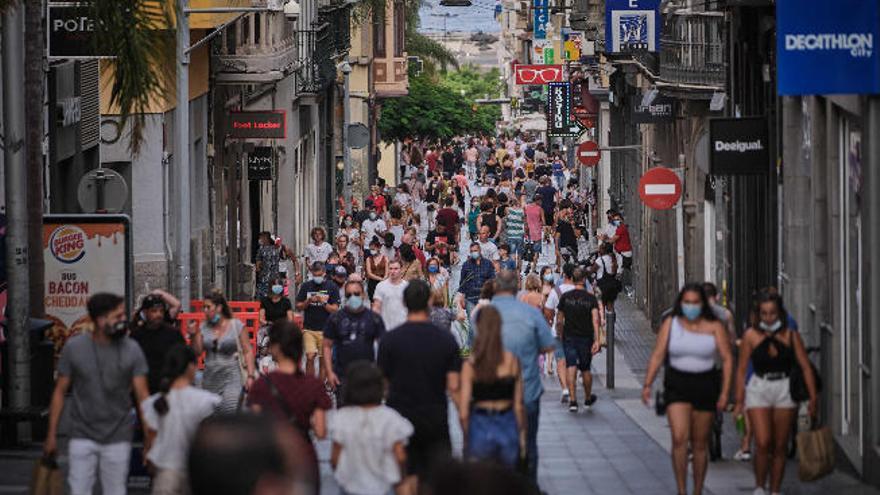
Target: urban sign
(537, 74)
(70, 32)
(270, 124)
(559, 123)
(827, 47)
(260, 163)
(541, 10)
(588, 153)
(739, 146)
(632, 25)
(662, 109)
(660, 188)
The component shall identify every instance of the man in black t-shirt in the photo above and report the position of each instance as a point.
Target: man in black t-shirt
(421, 363)
(318, 298)
(153, 328)
(578, 320)
(350, 335)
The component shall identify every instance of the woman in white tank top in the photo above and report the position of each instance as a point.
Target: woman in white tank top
(689, 341)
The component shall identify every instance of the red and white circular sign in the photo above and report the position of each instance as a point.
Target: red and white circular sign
(660, 188)
(588, 153)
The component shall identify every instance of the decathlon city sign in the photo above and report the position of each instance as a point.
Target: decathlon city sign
(828, 47)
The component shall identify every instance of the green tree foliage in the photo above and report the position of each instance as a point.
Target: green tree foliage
(442, 107)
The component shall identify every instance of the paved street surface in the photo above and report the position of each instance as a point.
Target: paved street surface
(621, 447)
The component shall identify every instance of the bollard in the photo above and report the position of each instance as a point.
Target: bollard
(610, 316)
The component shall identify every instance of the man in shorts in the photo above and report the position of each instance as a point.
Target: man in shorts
(317, 299)
(579, 324)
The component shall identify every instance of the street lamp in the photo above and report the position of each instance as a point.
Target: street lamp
(291, 11)
(345, 68)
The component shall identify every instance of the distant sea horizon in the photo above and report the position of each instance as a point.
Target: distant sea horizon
(478, 17)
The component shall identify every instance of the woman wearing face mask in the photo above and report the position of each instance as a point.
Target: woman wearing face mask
(438, 277)
(689, 341)
(350, 229)
(376, 267)
(411, 267)
(221, 336)
(773, 349)
(275, 307)
(341, 250)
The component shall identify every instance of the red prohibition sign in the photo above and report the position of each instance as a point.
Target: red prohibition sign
(588, 153)
(660, 188)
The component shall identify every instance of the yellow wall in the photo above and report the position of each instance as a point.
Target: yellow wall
(198, 80)
(387, 163)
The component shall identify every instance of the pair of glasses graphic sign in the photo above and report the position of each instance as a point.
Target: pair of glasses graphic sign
(538, 74)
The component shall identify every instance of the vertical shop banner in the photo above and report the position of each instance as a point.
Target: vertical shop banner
(541, 9)
(84, 255)
(828, 47)
(632, 25)
(559, 123)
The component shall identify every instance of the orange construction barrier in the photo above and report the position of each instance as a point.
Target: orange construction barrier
(235, 306)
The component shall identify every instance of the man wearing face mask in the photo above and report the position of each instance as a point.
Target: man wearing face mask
(474, 273)
(153, 329)
(373, 226)
(317, 299)
(350, 335)
(100, 369)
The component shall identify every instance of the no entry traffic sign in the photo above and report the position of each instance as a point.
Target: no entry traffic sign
(588, 153)
(660, 188)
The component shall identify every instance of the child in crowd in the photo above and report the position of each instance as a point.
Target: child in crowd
(505, 262)
(369, 438)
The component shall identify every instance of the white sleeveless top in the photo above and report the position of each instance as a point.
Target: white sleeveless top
(691, 352)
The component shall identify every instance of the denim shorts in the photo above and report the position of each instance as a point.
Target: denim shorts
(516, 246)
(578, 352)
(493, 437)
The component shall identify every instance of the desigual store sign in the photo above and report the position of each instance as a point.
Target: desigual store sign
(828, 47)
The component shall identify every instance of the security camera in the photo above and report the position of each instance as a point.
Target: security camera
(292, 10)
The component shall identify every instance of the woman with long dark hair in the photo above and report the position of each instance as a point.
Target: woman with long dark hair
(171, 417)
(689, 341)
(289, 394)
(491, 408)
(774, 350)
(226, 345)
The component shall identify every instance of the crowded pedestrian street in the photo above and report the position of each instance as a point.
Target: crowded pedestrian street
(439, 247)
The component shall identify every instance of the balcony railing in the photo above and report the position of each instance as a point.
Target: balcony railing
(692, 49)
(316, 67)
(257, 48)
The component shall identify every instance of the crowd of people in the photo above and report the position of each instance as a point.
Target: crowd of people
(475, 275)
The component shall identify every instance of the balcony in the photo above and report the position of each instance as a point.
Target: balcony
(692, 50)
(255, 48)
(390, 76)
(320, 48)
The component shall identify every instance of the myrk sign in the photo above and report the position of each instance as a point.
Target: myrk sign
(739, 146)
(828, 47)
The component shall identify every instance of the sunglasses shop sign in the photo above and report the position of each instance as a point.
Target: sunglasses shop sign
(537, 74)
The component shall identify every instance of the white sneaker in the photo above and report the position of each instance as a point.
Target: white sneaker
(565, 396)
(742, 455)
(759, 491)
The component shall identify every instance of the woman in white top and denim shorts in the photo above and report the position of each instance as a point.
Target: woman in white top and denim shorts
(689, 342)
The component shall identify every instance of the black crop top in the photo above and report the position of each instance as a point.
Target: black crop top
(500, 389)
(764, 362)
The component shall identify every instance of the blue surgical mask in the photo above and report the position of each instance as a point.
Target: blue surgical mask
(372, 215)
(214, 320)
(475, 255)
(318, 280)
(433, 268)
(277, 289)
(355, 302)
(548, 277)
(691, 311)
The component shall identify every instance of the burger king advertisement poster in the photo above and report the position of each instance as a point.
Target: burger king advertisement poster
(84, 255)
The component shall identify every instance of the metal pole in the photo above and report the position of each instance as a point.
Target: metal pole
(346, 148)
(18, 302)
(181, 157)
(610, 318)
(679, 227)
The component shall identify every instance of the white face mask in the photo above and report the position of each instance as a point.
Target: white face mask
(771, 327)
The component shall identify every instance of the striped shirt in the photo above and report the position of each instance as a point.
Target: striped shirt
(514, 221)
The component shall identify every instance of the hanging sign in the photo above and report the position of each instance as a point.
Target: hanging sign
(270, 124)
(537, 74)
(828, 47)
(70, 32)
(662, 109)
(541, 10)
(559, 123)
(261, 163)
(588, 153)
(739, 146)
(632, 25)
